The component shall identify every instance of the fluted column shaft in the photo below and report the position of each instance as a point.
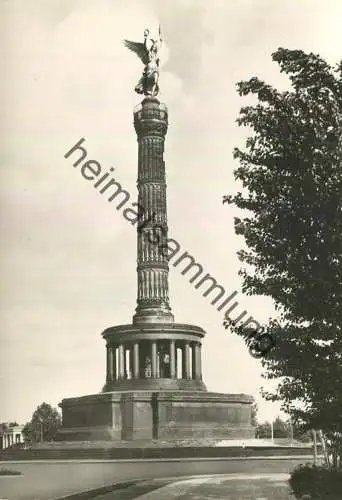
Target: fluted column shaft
(151, 122)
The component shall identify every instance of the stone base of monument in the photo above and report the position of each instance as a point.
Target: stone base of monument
(164, 415)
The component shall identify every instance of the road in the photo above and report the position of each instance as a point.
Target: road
(47, 480)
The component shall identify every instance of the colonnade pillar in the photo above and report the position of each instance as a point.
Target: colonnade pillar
(194, 361)
(117, 365)
(193, 370)
(111, 363)
(136, 368)
(199, 369)
(154, 359)
(109, 371)
(173, 359)
(121, 371)
(187, 360)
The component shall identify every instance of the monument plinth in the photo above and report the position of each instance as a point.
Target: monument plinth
(154, 387)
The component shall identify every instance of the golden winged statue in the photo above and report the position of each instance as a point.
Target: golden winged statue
(148, 53)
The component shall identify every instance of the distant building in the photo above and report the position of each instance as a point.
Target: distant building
(11, 434)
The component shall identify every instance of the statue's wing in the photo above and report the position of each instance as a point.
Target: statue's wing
(138, 48)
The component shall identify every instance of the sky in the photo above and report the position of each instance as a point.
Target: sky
(68, 256)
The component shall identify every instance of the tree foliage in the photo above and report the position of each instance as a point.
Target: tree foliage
(254, 415)
(291, 176)
(44, 424)
(281, 429)
(263, 431)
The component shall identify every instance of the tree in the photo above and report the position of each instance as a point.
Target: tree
(254, 416)
(291, 174)
(44, 424)
(264, 431)
(300, 435)
(27, 433)
(281, 429)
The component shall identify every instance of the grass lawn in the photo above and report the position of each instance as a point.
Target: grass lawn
(9, 472)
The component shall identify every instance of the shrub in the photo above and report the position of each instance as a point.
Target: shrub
(9, 472)
(319, 483)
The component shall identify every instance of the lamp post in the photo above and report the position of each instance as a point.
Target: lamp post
(291, 431)
(314, 446)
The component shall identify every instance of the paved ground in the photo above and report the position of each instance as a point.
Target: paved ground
(240, 487)
(218, 487)
(46, 480)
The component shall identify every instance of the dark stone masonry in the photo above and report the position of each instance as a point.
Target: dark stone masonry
(154, 387)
